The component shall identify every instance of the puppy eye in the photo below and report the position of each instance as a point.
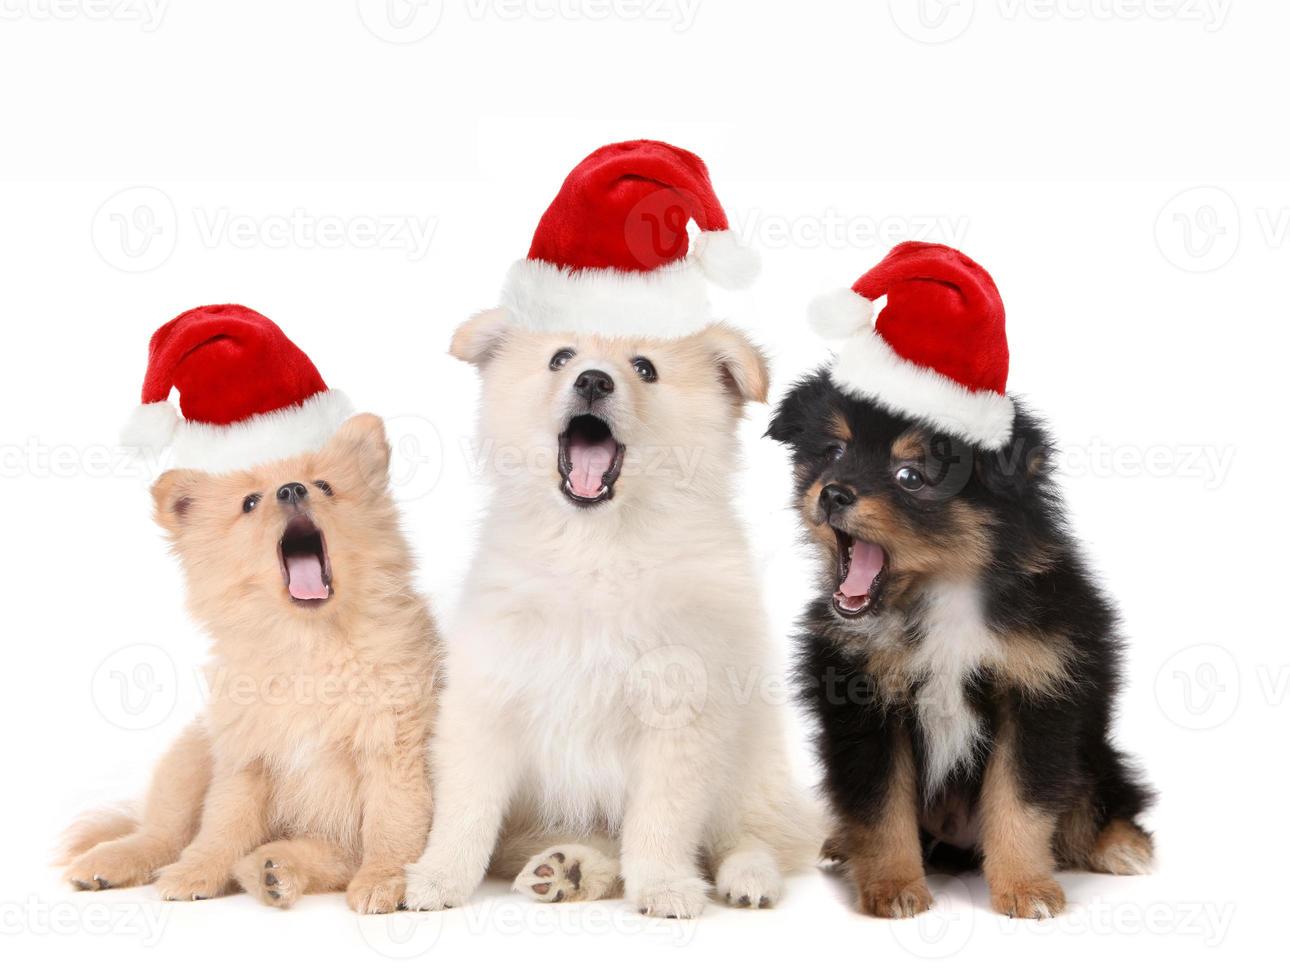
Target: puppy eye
(249, 503)
(834, 452)
(324, 486)
(908, 478)
(644, 369)
(561, 357)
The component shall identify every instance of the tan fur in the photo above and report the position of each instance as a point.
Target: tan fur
(885, 858)
(910, 447)
(962, 552)
(1016, 841)
(1122, 848)
(1033, 664)
(311, 755)
(840, 427)
(93, 829)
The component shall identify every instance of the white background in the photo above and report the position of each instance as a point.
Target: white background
(1119, 165)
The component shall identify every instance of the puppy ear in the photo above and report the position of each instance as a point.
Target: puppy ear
(794, 414)
(173, 496)
(1024, 462)
(361, 442)
(742, 363)
(480, 337)
(784, 424)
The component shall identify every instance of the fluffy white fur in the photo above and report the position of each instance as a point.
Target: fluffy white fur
(725, 260)
(151, 426)
(604, 679)
(868, 368)
(839, 314)
(668, 302)
(956, 645)
(303, 428)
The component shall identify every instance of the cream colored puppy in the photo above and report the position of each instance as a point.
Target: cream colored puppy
(308, 772)
(601, 719)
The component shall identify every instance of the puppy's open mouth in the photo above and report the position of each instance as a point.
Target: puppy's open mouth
(862, 570)
(306, 570)
(590, 460)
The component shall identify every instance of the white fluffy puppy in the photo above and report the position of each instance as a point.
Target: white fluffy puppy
(603, 682)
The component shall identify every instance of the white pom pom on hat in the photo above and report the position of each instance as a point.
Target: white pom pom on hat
(840, 313)
(725, 261)
(151, 426)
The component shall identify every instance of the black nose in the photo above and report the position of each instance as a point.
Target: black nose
(292, 493)
(594, 384)
(835, 496)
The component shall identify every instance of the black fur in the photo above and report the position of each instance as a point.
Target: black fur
(1033, 582)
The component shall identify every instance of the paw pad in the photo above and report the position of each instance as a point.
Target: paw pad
(575, 873)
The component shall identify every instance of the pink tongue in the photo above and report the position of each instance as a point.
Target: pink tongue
(305, 577)
(588, 464)
(866, 563)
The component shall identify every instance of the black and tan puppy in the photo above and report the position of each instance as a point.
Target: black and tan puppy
(960, 661)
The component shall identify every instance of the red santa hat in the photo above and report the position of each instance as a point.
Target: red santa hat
(612, 254)
(248, 394)
(937, 351)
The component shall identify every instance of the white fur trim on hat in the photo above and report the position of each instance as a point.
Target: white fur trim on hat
(151, 426)
(840, 313)
(725, 260)
(302, 428)
(868, 367)
(671, 301)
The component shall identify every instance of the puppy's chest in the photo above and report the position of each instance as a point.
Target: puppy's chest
(295, 711)
(951, 648)
(577, 745)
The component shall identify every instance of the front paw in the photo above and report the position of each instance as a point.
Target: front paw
(431, 890)
(1039, 898)
(750, 879)
(895, 899)
(375, 891)
(670, 898)
(113, 864)
(192, 881)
